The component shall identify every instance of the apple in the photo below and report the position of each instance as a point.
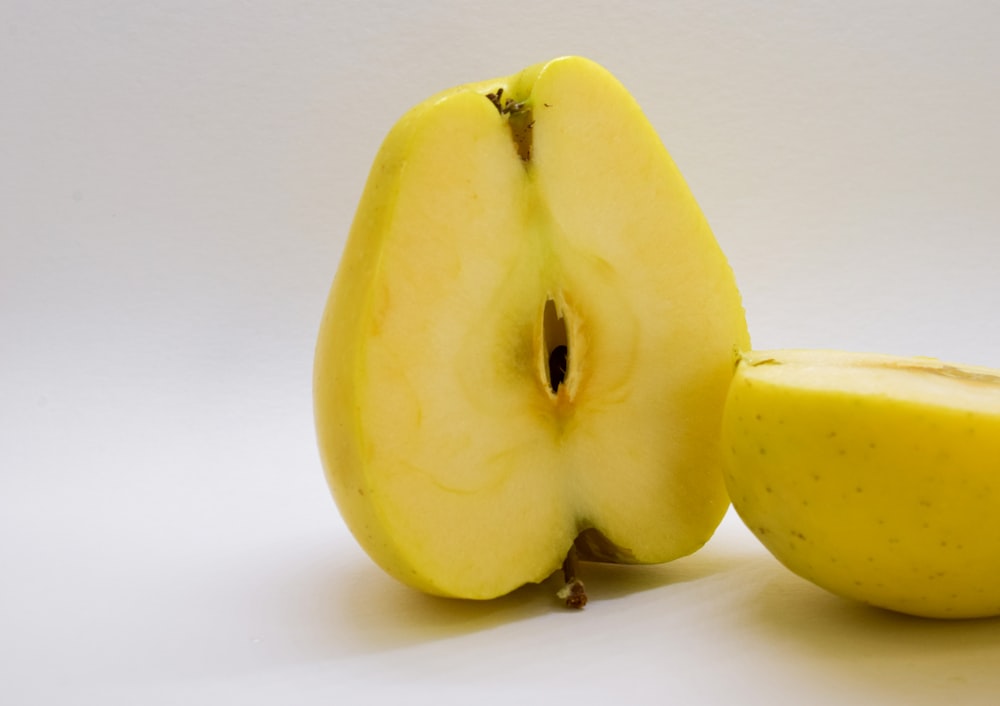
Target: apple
(527, 346)
(876, 477)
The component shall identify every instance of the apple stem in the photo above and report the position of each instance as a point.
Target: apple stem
(573, 592)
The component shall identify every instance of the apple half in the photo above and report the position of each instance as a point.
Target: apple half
(528, 342)
(876, 477)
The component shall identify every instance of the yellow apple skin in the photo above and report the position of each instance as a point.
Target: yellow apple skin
(488, 232)
(875, 477)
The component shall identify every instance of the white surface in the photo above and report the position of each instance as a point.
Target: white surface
(176, 180)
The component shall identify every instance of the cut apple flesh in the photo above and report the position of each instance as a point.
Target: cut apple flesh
(876, 477)
(529, 340)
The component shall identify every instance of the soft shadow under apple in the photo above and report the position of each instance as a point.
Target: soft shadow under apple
(378, 613)
(901, 656)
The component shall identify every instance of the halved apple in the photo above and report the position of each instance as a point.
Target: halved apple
(876, 477)
(528, 342)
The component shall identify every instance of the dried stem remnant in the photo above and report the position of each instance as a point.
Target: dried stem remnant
(573, 592)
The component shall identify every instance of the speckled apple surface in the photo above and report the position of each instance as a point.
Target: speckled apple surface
(874, 476)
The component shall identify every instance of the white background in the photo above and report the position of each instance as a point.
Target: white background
(176, 181)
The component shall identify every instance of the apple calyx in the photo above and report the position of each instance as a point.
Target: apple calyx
(519, 119)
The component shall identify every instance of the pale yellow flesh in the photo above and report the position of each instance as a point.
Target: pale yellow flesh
(876, 477)
(451, 459)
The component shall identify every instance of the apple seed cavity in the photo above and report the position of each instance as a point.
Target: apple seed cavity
(556, 349)
(557, 366)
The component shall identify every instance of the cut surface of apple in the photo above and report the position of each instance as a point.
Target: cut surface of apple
(528, 341)
(876, 477)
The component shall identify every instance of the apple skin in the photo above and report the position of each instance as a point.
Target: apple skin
(492, 225)
(875, 477)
